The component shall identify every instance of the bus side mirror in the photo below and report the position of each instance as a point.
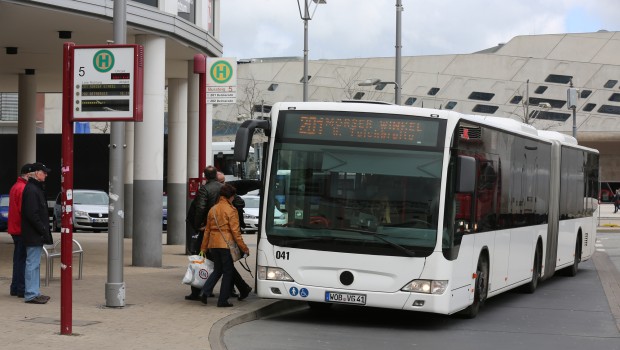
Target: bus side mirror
(243, 138)
(466, 181)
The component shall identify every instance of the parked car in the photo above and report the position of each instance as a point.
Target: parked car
(4, 212)
(90, 211)
(164, 220)
(250, 214)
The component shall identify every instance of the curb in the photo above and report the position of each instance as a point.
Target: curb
(259, 309)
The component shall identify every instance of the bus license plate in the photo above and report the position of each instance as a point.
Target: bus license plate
(345, 298)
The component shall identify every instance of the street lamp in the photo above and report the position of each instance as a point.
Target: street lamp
(371, 82)
(306, 17)
(571, 103)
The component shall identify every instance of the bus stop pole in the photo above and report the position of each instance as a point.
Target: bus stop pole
(200, 68)
(66, 171)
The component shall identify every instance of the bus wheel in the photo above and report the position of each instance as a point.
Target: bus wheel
(536, 271)
(481, 288)
(572, 270)
(319, 307)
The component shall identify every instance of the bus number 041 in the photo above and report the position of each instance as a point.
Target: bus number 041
(282, 255)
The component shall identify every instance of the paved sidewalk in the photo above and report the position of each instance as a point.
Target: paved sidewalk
(156, 315)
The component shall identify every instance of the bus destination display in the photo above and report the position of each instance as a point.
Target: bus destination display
(363, 128)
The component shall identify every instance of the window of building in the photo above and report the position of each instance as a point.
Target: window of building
(589, 107)
(554, 103)
(358, 96)
(614, 97)
(548, 115)
(585, 93)
(516, 99)
(610, 84)
(154, 3)
(609, 109)
(302, 78)
(265, 108)
(186, 9)
(541, 89)
(482, 96)
(8, 106)
(380, 86)
(272, 87)
(559, 79)
(486, 109)
(451, 105)
(433, 91)
(410, 101)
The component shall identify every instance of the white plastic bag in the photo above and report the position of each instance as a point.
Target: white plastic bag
(198, 271)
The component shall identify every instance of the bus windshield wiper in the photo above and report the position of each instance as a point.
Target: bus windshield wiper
(380, 237)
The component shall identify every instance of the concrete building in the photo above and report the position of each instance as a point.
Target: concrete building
(497, 81)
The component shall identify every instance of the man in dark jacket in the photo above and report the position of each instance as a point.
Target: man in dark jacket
(35, 231)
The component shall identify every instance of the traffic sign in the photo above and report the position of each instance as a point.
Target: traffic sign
(106, 83)
(221, 80)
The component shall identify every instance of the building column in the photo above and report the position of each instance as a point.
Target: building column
(129, 156)
(149, 157)
(177, 155)
(192, 121)
(27, 119)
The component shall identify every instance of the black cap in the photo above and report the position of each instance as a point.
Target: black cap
(25, 169)
(39, 166)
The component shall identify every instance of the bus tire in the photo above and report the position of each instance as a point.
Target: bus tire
(536, 271)
(481, 288)
(571, 271)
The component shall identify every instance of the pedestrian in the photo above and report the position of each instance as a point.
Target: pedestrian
(206, 197)
(15, 230)
(238, 281)
(35, 231)
(616, 199)
(222, 227)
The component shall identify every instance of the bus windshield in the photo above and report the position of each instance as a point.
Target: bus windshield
(365, 200)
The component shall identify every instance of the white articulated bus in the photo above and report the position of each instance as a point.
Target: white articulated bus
(416, 209)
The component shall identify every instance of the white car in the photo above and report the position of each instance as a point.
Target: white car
(250, 214)
(90, 211)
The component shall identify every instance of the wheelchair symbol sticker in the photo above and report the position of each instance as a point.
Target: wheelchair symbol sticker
(293, 291)
(303, 292)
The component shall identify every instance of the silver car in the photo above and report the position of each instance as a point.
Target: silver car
(250, 214)
(90, 211)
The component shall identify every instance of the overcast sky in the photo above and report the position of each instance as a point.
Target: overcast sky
(367, 28)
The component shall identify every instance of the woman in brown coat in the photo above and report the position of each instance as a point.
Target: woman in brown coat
(222, 226)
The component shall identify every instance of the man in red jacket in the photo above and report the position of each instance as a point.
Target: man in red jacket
(15, 230)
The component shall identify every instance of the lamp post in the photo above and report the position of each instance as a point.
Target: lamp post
(371, 82)
(305, 16)
(571, 103)
(397, 79)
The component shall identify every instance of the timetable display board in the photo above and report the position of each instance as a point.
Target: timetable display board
(107, 83)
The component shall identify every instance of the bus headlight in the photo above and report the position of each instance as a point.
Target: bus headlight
(273, 274)
(426, 286)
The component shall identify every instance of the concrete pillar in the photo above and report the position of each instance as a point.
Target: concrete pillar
(129, 156)
(177, 155)
(27, 120)
(149, 157)
(192, 122)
